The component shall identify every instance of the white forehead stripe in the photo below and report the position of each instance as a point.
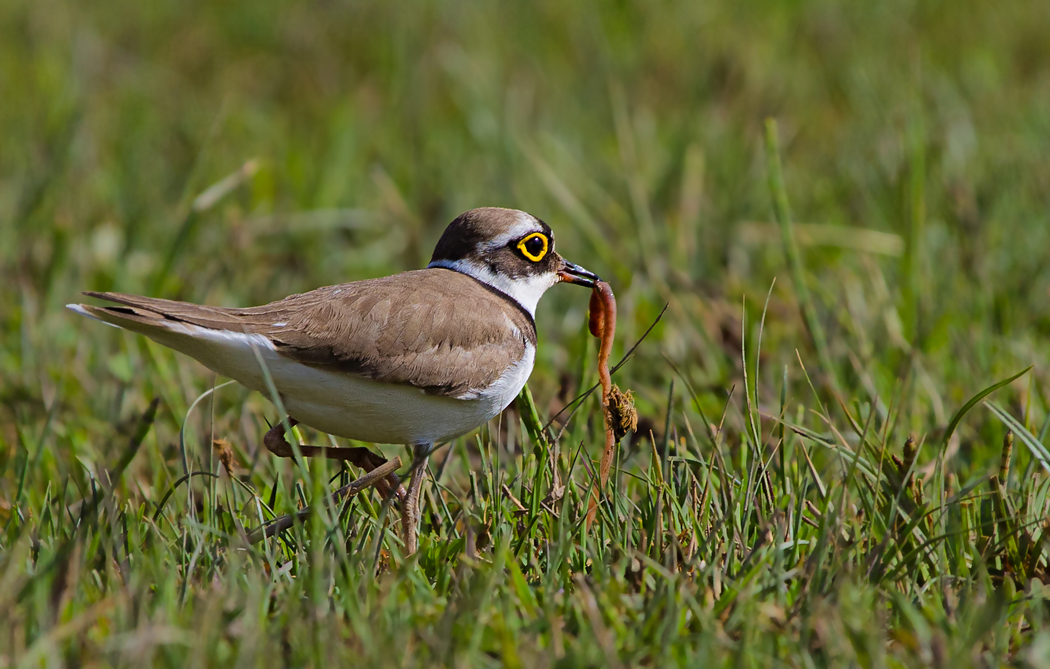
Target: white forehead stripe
(526, 291)
(524, 224)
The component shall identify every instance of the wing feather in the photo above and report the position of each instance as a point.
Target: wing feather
(434, 329)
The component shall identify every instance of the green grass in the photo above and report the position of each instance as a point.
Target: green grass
(818, 479)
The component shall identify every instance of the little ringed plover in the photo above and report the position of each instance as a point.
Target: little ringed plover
(416, 358)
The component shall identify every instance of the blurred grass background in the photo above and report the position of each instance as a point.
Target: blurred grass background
(235, 152)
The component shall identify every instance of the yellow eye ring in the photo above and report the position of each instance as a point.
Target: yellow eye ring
(532, 255)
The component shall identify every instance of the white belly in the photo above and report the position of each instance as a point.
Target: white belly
(346, 405)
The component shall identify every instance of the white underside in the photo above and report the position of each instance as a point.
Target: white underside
(341, 404)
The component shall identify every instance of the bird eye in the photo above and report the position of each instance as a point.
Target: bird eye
(534, 246)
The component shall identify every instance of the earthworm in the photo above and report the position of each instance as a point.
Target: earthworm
(605, 324)
(602, 324)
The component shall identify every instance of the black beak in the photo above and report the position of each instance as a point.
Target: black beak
(570, 273)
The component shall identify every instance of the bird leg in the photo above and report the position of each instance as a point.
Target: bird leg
(388, 486)
(281, 524)
(410, 514)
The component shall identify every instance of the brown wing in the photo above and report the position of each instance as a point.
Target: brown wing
(435, 329)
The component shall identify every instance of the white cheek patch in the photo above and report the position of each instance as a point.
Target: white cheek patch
(526, 291)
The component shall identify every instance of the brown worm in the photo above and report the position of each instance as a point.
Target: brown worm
(602, 323)
(596, 310)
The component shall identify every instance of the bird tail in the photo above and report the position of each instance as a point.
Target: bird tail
(213, 336)
(128, 316)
